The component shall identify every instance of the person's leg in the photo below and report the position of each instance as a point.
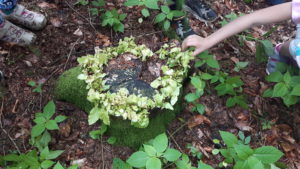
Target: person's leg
(17, 13)
(275, 2)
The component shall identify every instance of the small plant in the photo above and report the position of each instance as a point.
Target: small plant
(243, 156)
(209, 60)
(37, 87)
(113, 19)
(230, 17)
(194, 151)
(266, 124)
(240, 65)
(156, 154)
(95, 10)
(166, 15)
(40, 136)
(287, 87)
(147, 4)
(243, 139)
(192, 97)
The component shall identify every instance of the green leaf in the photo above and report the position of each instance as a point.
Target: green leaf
(171, 154)
(31, 83)
(11, 157)
(120, 164)
(122, 16)
(76, 166)
(153, 163)
(47, 164)
(268, 47)
(37, 130)
(296, 90)
(160, 142)
(111, 140)
(202, 165)
(267, 154)
(39, 120)
(191, 97)
(49, 110)
(94, 115)
(231, 101)
(206, 76)
(52, 125)
(118, 27)
(200, 108)
(167, 24)
(165, 9)
(280, 89)
(243, 151)
(290, 100)
(138, 159)
(229, 139)
(197, 83)
(145, 12)
(58, 166)
(132, 3)
(44, 153)
(177, 13)
(213, 63)
(287, 78)
(60, 118)
(274, 77)
(170, 16)
(152, 4)
(150, 150)
(160, 17)
(268, 93)
(54, 154)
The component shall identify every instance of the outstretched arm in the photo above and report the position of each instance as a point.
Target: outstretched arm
(264, 16)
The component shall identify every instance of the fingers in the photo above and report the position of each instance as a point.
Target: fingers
(197, 51)
(192, 40)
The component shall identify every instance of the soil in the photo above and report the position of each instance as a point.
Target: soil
(72, 32)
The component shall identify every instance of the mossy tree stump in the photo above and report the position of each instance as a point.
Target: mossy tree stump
(72, 90)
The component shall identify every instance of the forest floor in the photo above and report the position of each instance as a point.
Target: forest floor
(267, 120)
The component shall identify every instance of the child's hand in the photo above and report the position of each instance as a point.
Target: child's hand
(196, 41)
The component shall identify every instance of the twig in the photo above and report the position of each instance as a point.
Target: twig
(1, 112)
(15, 106)
(174, 141)
(147, 34)
(70, 53)
(81, 16)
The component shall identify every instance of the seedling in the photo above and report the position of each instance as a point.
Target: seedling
(36, 87)
(113, 19)
(240, 65)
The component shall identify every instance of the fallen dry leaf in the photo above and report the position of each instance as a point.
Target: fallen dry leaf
(235, 60)
(46, 5)
(56, 22)
(197, 120)
(242, 125)
(287, 147)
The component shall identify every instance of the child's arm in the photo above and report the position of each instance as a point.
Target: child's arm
(264, 16)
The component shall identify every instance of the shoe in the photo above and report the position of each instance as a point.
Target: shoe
(200, 10)
(14, 34)
(275, 2)
(274, 60)
(183, 29)
(27, 18)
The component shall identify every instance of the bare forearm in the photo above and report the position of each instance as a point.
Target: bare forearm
(265, 16)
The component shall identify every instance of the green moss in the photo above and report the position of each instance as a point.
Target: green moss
(70, 89)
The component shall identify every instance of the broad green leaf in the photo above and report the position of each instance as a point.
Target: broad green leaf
(138, 159)
(118, 27)
(191, 97)
(206, 76)
(295, 81)
(177, 13)
(60, 118)
(120, 164)
(132, 2)
(165, 9)
(170, 16)
(31, 83)
(167, 24)
(296, 90)
(171, 154)
(267, 154)
(122, 16)
(280, 90)
(145, 12)
(229, 139)
(274, 77)
(37, 130)
(58, 166)
(243, 151)
(202, 165)
(268, 93)
(11, 157)
(111, 140)
(160, 17)
(268, 47)
(254, 163)
(76, 167)
(287, 78)
(200, 108)
(94, 115)
(54, 154)
(45, 152)
(160, 142)
(230, 102)
(52, 125)
(213, 63)
(290, 100)
(49, 110)
(153, 163)
(152, 4)
(39, 120)
(47, 164)
(150, 150)
(197, 83)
